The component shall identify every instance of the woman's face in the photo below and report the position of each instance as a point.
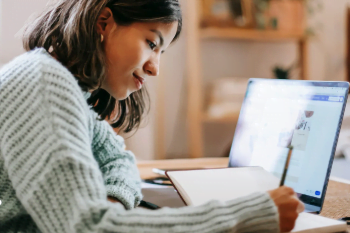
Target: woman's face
(132, 52)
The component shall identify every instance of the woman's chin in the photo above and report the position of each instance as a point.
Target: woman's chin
(124, 95)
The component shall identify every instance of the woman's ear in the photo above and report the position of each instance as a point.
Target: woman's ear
(105, 22)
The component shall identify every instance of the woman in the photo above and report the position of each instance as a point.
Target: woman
(60, 163)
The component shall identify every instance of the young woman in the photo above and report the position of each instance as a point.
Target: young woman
(60, 162)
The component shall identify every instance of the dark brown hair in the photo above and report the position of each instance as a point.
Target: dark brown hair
(67, 29)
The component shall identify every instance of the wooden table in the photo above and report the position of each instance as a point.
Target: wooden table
(337, 201)
(145, 167)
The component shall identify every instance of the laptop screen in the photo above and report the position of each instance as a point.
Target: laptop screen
(305, 114)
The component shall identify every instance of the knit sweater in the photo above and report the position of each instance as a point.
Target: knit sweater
(58, 164)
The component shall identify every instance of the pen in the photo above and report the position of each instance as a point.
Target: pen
(159, 180)
(286, 165)
(148, 205)
(346, 219)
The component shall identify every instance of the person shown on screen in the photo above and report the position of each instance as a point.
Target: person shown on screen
(62, 167)
(304, 120)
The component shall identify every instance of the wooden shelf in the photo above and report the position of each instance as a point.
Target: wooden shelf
(249, 34)
(228, 119)
(197, 117)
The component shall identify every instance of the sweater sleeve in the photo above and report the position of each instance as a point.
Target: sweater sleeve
(47, 155)
(120, 174)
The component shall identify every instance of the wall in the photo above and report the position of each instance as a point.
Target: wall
(251, 59)
(0, 29)
(14, 15)
(220, 58)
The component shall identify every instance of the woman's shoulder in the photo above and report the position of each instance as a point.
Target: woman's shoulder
(35, 82)
(37, 68)
(32, 65)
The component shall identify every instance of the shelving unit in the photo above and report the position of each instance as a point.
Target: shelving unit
(209, 119)
(195, 111)
(249, 34)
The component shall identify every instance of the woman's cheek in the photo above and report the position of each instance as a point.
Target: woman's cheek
(141, 53)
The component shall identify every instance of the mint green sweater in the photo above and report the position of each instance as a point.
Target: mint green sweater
(58, 164)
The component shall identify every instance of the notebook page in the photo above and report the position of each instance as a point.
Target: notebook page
(308, 223)
(200, 186)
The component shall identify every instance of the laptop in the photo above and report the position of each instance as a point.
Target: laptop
(277, 114)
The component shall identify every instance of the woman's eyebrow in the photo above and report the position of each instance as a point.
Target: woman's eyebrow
(160, 36)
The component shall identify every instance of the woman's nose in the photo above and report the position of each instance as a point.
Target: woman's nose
(152, 67)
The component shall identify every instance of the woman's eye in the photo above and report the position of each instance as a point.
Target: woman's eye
(151, 44)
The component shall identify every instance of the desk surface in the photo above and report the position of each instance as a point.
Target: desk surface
(336, 205)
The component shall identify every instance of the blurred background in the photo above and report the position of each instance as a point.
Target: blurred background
(196, 100)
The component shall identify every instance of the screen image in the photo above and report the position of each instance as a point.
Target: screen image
(277, 114)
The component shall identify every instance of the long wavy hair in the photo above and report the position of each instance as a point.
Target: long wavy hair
(67, 28)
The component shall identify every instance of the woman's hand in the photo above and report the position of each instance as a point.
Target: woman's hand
(288, 206)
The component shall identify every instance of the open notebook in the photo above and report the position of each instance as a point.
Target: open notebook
(197, 187)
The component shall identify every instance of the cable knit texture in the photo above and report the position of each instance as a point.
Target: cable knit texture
(58, 163)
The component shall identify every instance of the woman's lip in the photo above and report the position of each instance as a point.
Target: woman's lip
(138, 83)
(139, 78)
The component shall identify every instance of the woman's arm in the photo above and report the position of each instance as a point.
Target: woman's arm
(118, 166)
(47, 154)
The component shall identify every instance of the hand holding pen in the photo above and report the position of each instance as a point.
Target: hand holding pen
(286, 201)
